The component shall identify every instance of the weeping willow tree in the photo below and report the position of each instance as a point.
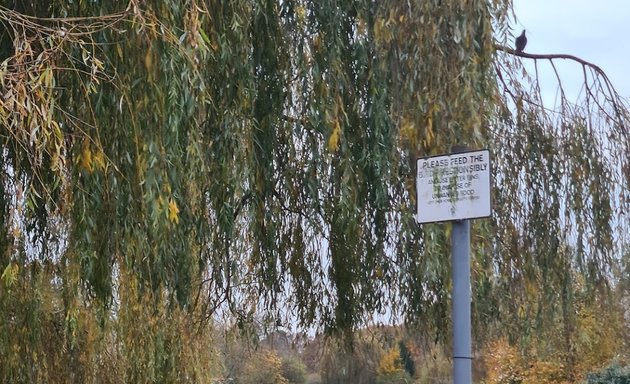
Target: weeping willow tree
(165, 161)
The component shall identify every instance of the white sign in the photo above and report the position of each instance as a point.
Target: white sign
(454, 186)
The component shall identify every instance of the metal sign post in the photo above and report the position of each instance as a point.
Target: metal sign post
(456, 188)
(460, 266)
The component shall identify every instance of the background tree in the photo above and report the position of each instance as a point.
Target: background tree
(360, 364)
(391, 368)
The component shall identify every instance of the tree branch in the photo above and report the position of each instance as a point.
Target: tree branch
(612, 97)
(550, 57)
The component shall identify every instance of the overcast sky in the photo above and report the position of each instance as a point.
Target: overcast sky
(596, 31)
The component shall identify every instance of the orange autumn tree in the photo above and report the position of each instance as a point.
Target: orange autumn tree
(557, 354)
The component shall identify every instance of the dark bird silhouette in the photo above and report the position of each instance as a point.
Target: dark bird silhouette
(521, 42)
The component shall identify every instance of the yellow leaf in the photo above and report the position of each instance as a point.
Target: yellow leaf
(333, 141)
(301, 13)
(173, 211)
(317, 42)
(86, 158)
(429, 131)
(408, 131)
(448, 230)
(378, 26)
(9, 276)
(148, 60)
(99, 160)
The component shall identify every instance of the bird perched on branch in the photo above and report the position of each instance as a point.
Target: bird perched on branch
(521, 42)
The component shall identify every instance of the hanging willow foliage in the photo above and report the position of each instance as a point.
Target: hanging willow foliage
(250, 155)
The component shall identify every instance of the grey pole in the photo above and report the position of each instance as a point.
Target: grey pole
(460, 264)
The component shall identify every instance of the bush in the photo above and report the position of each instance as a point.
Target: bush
(294, 370)
(314, 378)
(262, 368)
(611, 375)
(399, 377)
